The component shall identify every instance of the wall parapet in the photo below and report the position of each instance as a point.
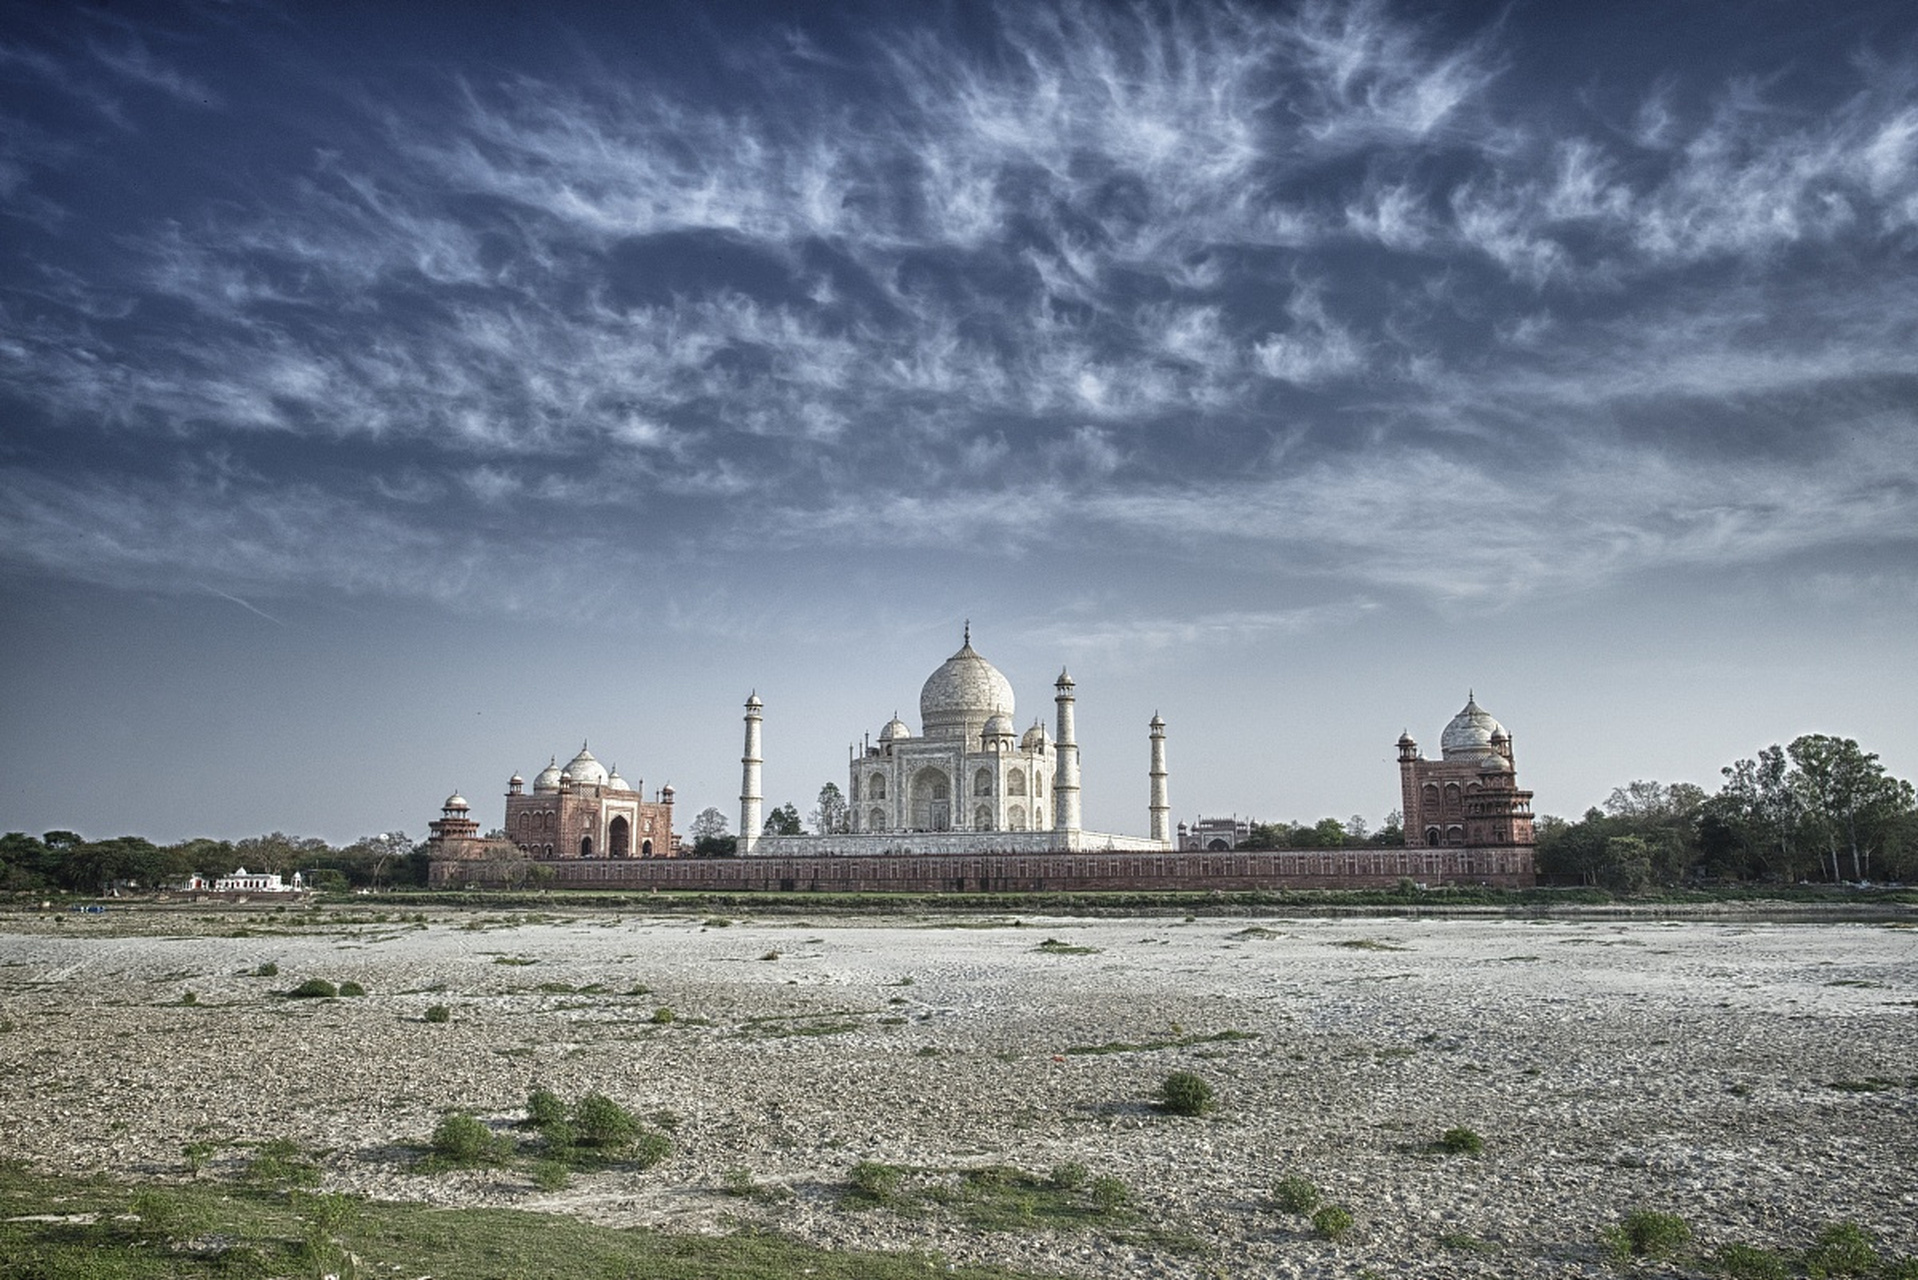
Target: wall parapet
(1015, 872)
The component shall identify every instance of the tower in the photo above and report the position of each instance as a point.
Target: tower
(749, 779)
(1160, 809)
(1065, 778)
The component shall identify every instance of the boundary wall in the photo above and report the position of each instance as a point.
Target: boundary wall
(1506, 867)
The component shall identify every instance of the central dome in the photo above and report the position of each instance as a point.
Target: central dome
(1470, 733)
(962, 695)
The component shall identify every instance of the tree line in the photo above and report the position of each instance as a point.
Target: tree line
(64, 860)
(1819, 808)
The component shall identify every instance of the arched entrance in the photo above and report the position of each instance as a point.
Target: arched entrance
(585, 846)
(931, 800)
(619, 838)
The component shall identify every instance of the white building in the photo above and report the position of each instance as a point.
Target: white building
(969, 782)
(244, 881)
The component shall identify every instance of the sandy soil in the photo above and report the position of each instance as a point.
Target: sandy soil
(1684, 1066)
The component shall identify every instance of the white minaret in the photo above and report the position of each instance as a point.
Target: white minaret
(749, 779)
(1161, 811)
(1065, 746)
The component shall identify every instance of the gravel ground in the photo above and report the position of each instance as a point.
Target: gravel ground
(1609, 1065)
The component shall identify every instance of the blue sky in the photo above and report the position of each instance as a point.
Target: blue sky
(394, 396)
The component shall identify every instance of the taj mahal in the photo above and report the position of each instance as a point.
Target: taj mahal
(967, 782)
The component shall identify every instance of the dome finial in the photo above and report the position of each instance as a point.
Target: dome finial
(968, 636)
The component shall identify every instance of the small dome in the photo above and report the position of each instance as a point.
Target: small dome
(586, 771)
(616, 783)
(1470, 733)
(456, 801)
(548, 779)
(1035, 739)
(895, 728)
(516, 781)
(999, 726)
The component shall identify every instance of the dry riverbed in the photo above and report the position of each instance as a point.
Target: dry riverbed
(1759, 1079)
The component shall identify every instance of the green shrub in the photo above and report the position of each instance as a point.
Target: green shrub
(463, 1139)
(1460, 1141)
(1108, 1193)
(438, 1013)
(543, 1108)
(1185, 1094)
(663, 1015)
(189, 998)
(167, 1216)
(267, 970)
(314, 989)
(1747, 1262)
(604, 1123)
(879, 1183)
(1295, 1195)
(552, 1175)
(1333, 1221)
(352, 989)
(1647, 1234)
(1069, 1176)
(648, 1148)
(1841, 1249)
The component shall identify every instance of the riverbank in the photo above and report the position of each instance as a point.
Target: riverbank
(1757, 1078)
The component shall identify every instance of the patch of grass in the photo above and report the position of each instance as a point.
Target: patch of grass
(1748, 1262)
(770, 955)
(718, 922)
(1052, 946)
(741, 1182)
(189, 998)
(876, 1182)
(1294, 1194)
(1069, 1176)
(1148, 1046)
(1184, 1094)
(1333, 1221)
(1256, 931)
(513, 960)
(1459, 1141)
(1841, 1249)
(993, 1197)
(1465, 1242)
(267, 970)
(314, 989)
(252, 1234)
(282, 1162)
(438, 1013)
(1854, 982)
(349, 989)
(1870, 1084)
(663, 1015)
(1646, 1233)
(551, 1175)
(1368, 944)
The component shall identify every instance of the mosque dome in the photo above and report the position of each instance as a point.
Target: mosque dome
(548, 778)
(1035, 739)
(1470, 733)
(895, 728)
(586, 771)
(456, 801)
(966, 690)
(616, 783)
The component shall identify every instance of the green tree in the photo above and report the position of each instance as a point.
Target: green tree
(784, 821)
(832, 816)
(1848, 796)
(710, 838)
(1331, 833)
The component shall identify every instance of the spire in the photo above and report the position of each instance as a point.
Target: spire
(968, 636)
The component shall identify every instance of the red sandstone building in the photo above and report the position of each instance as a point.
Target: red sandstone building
(1469, 797)
(579, 811)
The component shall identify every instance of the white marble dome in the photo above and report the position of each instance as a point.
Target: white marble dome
(456, 801)
(1035, 738)
(585, 770)
(1470, 733)
(966, 689)
(895, 729)
(998, 726)
(548, 778)
(616, 783)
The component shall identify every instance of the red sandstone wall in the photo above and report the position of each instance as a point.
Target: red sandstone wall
(1062, 872)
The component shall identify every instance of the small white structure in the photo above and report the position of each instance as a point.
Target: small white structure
(244, 881)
